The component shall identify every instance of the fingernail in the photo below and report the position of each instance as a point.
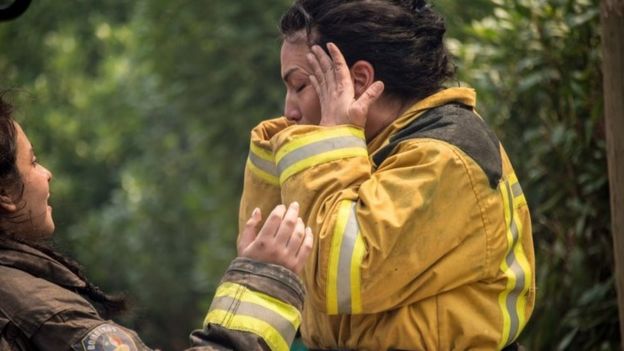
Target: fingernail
(308, 231)
(255, 212)
(294, 205)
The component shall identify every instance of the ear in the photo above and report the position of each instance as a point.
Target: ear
(7, 204)
(363, 75)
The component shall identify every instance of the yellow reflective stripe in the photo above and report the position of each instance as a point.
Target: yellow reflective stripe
(502, 298)
(319, 147)
(260, 152)
(345, 262)
(518, 194)
(356, 285)
(515, 267)
(251, 325)
(242, 293)
(528, 278)
(266, 166)
(346, 253)
(267, 177)
(237, 307)
(334, 256)
(304, 140)
(321, 158)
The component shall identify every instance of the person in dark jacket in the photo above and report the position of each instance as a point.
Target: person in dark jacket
(46, 303)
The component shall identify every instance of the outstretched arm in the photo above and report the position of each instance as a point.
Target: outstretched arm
(259, 301)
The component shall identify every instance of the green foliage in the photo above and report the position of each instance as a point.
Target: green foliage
(536, 66)
(142, 110)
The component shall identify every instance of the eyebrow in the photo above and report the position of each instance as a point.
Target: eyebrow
(288, 73)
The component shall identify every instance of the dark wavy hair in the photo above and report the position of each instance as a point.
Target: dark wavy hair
(402, 39)
(11, 184)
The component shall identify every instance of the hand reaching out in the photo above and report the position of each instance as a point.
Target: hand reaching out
(283, 239)
(334, 86)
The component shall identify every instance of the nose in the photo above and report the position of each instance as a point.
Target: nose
(291, 110)
(48, 173)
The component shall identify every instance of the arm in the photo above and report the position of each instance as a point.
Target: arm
(261, 186)
(259, 301)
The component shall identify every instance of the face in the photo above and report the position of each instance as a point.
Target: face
(302, 103)
(33, 214)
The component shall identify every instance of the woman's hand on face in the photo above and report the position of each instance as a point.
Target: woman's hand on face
(282, 240)
(334, 85)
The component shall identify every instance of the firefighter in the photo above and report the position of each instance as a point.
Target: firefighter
(46, 303)
(422, 233)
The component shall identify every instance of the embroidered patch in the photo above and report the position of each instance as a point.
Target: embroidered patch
(108, 337)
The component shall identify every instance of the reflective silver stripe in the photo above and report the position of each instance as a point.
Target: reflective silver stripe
(318, 147)
(264, 165)
(243, 308)
(516, 190)
(344, 263)
(514, 265)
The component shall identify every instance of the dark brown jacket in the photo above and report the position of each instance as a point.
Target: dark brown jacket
(256, 307)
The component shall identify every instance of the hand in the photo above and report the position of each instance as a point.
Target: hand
(283, 239)
(334, 87)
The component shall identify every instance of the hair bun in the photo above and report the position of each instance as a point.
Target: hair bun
(414, 6)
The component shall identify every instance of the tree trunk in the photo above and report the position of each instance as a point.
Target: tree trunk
(612, 17)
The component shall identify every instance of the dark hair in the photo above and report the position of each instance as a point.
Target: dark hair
(402, 39)
(10, 179)
(11, 184)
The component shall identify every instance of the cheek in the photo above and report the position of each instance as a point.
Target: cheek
(312, 107)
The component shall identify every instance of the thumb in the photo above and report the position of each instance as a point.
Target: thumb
(250, 231)
(359, 109)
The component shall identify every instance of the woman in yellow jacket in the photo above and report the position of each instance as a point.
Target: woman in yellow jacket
(423, 236)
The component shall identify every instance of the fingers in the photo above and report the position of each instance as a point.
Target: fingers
(318, 79)
(289, 222)
(304, 250)
(361, 105)
(249, 233)
(340, 64)
(325, 64)
(272, 224)
(296, 237)
(283, 239)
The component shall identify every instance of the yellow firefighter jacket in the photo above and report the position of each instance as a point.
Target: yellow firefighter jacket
(423, 235)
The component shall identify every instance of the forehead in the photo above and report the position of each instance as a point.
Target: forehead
(293, 54)
(23, 144)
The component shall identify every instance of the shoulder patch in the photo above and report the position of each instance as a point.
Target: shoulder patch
(108, 337)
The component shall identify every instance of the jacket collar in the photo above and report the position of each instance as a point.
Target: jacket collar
(33, 261)
(465, 96)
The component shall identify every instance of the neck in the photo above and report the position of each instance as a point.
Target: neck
(382, 113)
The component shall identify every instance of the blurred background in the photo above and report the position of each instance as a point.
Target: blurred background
(142, 110)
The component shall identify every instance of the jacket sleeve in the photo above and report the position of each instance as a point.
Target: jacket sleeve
(257, 306)
(383, 239)
(261, 185)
